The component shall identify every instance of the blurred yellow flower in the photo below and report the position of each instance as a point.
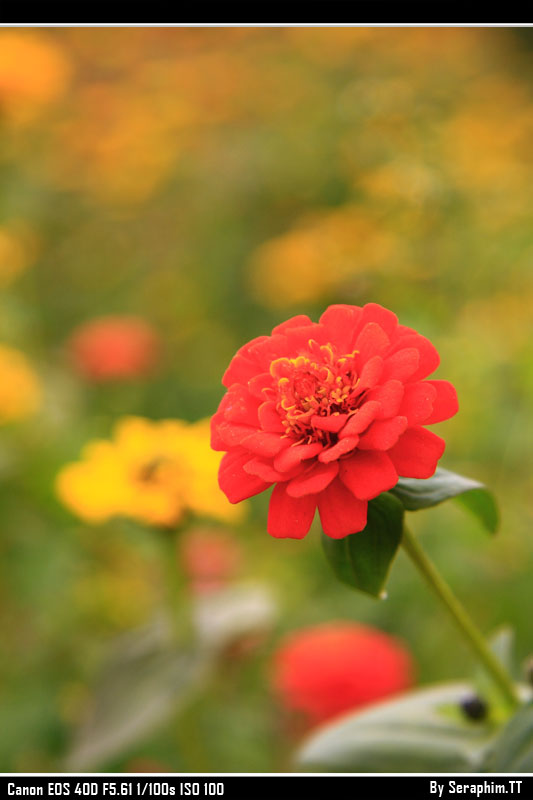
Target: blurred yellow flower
(318, 254)
(150, 471)
(404, 180)
(20, 391)
(17, 251)
(33, 73)
(488, 140)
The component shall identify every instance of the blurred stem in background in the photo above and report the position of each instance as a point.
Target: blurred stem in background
(468, 629)
(190, 739)
(188, 732)
(176, 588)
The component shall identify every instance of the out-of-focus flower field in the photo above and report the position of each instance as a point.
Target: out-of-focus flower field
(165, 196)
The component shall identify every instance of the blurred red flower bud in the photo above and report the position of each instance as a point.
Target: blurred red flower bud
(114, 348)
(209, 557)
(335, 667)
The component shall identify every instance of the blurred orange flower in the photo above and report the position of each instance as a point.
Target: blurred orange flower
(33, 73)
(318, 254)
(113, 143)
(488, 139)
(335, 667)
(114, 348)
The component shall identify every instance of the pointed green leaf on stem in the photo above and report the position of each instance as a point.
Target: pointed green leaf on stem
(416, 494)
(363, 560)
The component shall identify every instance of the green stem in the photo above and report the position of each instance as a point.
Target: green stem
(176, 591)
(469, 630)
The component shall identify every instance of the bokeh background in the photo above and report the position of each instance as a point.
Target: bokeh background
(213, 182)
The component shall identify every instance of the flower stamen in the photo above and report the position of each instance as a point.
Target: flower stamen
(318, 384)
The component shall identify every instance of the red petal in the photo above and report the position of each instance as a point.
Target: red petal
(404, 330)
(265, 444)
(401, 365)
(238, 406)
(269, 419)
(383, 434)
(243, 366)
(289, 517)
(342, 447)
(294, 322)
(294, 455)
(314, 480)
(259, 383)
(371, 373)
(333, 423)
(225, 401)
(263, 470)
(445, 404)
(417, 452)
(236, 484)
(389, 396)
(417, 402)
(360, 421)
(372, 341)
(268, 349)
(341, 322)
(240, 370)
(429, 358)
(233, 434)
(298, 338)
(217, 442)
(368, 473)
(340, 512)
(387, 320)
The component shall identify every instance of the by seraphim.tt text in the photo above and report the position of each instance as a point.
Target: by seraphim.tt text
(445, 788)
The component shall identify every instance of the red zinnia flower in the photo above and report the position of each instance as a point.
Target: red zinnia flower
(114, 347)
(332, 413)
(335, 667)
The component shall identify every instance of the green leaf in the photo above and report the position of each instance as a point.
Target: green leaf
(144, 682)
(415, 733)
(148, 677)
(445, 485)
(233, 612)
(363, 560)
(512, 751)
(501, 643)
